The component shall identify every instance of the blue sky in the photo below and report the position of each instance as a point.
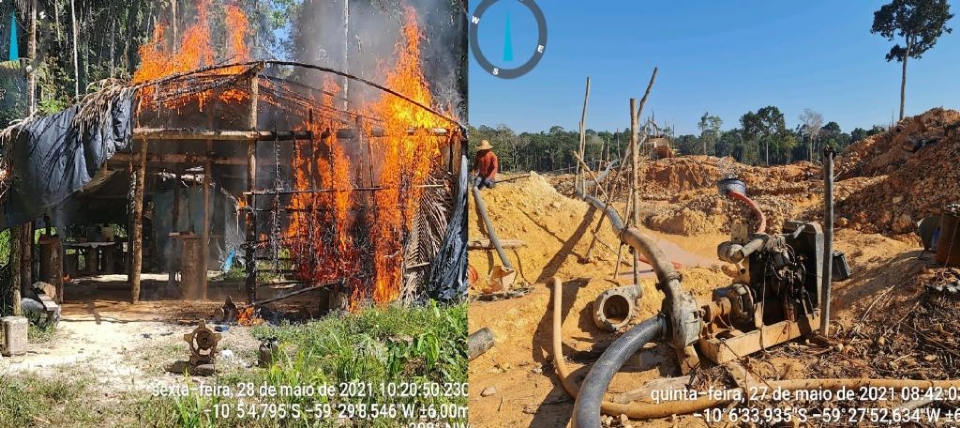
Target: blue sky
(725, 57)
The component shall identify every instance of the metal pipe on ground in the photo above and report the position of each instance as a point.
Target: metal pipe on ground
(479, 342)
(615, 307)
(482, 208)
(828, 155)
(681, 305)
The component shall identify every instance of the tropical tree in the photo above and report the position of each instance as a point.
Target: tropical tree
(709, 130)
(766, 126)
(919, 22)
(811, 123)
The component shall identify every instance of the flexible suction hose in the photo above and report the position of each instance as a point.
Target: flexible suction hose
(588, 405)
(587, 409)
(753, 207)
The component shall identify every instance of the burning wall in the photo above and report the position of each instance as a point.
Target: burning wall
(364, 194)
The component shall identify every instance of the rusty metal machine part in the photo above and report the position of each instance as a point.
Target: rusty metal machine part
(203, 344)
(616, 307)
(776, 299)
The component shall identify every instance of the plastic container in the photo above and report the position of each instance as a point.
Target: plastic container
(14, 336)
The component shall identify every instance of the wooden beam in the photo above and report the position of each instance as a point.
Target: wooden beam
(136, 232)
(218, 135)
(160, 159)
(253, 135)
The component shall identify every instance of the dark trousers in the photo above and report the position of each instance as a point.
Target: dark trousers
(480, 183)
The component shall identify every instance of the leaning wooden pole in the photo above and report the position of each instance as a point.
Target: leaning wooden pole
(581, 180)
(635, 182)
(136, 231)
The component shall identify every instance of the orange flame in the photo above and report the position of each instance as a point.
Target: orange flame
(407, 159)
(162, 58)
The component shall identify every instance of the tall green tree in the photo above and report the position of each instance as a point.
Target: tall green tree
(709, 130)
(766, 127)
(919, 23)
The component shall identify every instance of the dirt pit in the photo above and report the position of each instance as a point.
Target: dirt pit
(518, 375)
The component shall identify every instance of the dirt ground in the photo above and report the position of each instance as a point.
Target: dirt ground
(517, 376)
(127, 347)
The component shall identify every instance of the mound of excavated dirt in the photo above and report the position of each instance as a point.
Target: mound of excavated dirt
(910, 185)
(553, 228)
(710, 213)
(668, 179)
(884, 153)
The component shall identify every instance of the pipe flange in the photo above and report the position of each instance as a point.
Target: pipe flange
(615, 308)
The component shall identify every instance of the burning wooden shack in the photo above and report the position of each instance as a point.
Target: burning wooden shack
(368, 198)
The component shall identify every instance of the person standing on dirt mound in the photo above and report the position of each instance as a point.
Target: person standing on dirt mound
(485, 166)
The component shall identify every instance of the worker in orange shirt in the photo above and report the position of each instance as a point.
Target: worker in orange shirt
(485, 166)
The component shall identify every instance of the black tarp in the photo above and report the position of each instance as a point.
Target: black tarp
(448, 273)
(53, 157)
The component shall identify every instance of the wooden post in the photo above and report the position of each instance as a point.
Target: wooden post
(634, 220)
(581, 180)
(205, 230)
(32, 52)
(172, 267)
(26, 264)
(205, 234)
(15, 257)
(136, 230)
(251, 224)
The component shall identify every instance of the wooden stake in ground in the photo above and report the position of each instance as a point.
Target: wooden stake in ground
(581, 181)
(635, 182)
(634, 219)
(136, 231)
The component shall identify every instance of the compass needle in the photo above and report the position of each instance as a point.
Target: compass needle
(508, 42)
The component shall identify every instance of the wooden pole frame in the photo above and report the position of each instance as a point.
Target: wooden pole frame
(136, 230)
(581, 181)
(251, 280)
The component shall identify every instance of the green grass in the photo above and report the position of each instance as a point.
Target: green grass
(42, 401)
(406, 347)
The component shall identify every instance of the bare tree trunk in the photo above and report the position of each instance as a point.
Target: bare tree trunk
(32, 51)
(173, 19)
(766, 146)
(346, 53)
(903, 80)
(76, 63)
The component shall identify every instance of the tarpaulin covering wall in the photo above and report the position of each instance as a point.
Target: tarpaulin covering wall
(51, 158)
(448, 271)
